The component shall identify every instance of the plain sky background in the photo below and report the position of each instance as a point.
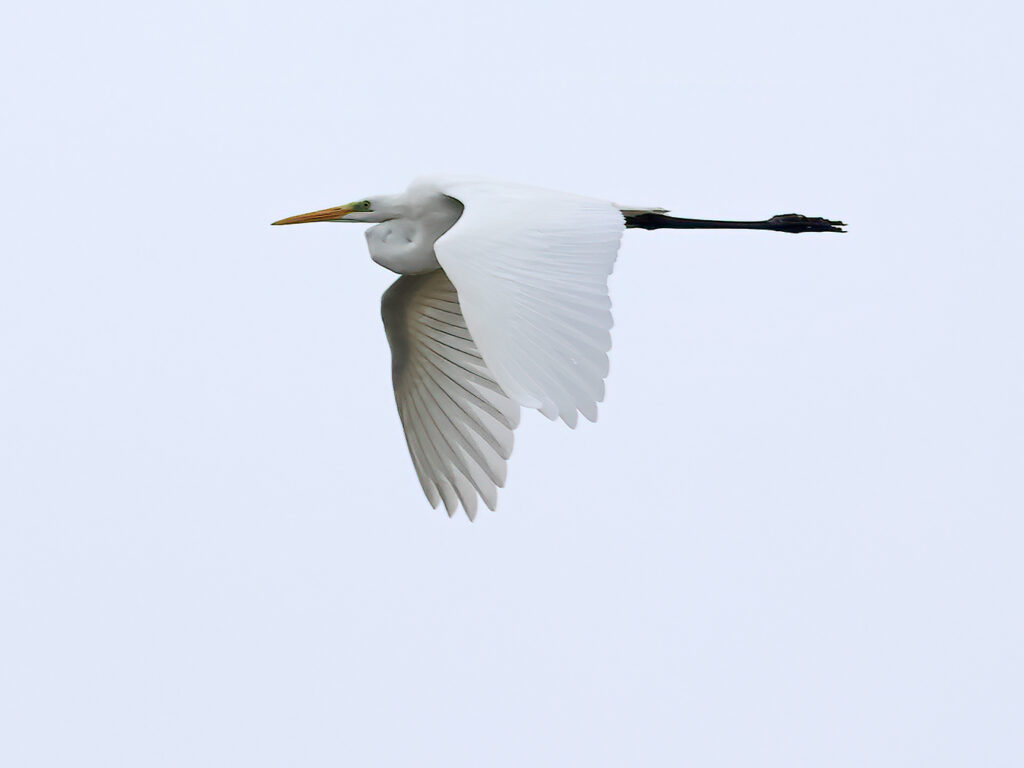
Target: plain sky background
(794, 536)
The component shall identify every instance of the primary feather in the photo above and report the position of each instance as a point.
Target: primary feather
(458, 423)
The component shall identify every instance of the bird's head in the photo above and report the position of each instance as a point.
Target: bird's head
(368, 211)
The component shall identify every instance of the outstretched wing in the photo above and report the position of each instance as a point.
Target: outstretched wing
(458, 423)
(531, 267)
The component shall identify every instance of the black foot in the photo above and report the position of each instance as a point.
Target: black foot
(795, 223)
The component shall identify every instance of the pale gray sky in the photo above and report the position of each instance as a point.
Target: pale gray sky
(792, 539)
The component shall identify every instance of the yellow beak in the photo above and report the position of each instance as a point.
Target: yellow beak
(327, 214)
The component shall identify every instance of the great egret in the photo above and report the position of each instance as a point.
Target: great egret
(503, 304)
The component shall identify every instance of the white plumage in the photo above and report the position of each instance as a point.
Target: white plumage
(519, 315)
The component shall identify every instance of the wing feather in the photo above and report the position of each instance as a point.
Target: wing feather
(458, 422)
(531, 268)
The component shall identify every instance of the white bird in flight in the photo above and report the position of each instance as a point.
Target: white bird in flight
(503, 304)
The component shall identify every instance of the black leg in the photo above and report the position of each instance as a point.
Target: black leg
(784, 222)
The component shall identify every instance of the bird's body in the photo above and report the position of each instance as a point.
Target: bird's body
(504, 304)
